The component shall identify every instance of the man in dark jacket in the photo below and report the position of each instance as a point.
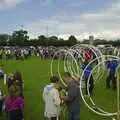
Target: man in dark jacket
(73, 97)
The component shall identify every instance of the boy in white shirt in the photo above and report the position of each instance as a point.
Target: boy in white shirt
(52, 99)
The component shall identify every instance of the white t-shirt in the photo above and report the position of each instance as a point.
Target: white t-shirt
(52, 101)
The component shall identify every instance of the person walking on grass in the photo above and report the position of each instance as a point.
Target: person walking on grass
(72, 99)
(89, 85)
(111, 66)
(51, 99)
(14, 104)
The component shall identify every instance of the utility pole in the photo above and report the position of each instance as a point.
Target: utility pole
(47, 31)
(21, 27)
(47, 34)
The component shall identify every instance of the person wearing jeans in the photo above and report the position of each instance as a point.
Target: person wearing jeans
(88, 77)
(72, 99)
(74, 115)
(112, 66)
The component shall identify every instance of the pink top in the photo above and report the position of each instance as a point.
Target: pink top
(14, 103)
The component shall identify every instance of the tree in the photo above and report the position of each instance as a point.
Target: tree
(72, 40)
(19, 37)
(53, 40)
(4, 39)
(41, 40)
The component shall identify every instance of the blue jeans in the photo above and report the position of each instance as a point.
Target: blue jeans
(74, 115)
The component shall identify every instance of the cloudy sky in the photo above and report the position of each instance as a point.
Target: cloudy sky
(81, 18)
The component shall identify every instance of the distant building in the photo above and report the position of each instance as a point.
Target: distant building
(91, 39)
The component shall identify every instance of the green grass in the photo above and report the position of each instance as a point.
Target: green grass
(36, 75)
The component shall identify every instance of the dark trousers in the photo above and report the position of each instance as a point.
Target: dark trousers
(91, 84)
(74, 115)
(53, 118)
(110, 78)
(15, 115)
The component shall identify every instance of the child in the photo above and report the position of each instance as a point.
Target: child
(14, 104)
(62, 93)
(52, 99)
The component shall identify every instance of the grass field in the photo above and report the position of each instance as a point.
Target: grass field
(36, 75)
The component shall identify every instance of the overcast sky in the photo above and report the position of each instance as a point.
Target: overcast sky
(81, 18)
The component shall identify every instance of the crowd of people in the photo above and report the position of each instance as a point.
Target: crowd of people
(71, 97)
(49, 52)
(21, 53)
(54, 95)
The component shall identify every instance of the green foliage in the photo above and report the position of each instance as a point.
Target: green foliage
(21, 38)
(72, 40)
(3, 39)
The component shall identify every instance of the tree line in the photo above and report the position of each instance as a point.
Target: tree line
(21, 38)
